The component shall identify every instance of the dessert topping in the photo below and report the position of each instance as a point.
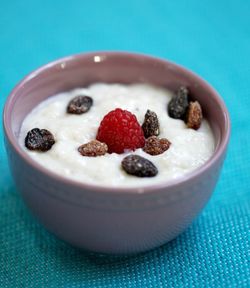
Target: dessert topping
(194, 115)
(156, 146)
(93, 148)
(120, 130)
(39, 139)
(151, 125)
(139, 166)
(79, 105)
(178, 105)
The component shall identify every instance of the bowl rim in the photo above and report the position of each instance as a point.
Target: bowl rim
(221, 149)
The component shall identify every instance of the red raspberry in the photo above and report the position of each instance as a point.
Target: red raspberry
(120, 130)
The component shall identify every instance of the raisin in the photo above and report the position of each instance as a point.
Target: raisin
(80, 105)
(93, 148)
(156, 146)
(151, 125)
(194, 115)
(139, 166)
(178, 105)
(39, 139)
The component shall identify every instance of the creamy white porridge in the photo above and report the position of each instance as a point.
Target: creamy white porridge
(189, 149)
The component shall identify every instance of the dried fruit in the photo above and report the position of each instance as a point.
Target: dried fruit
(139, 166)
(178, 105)
(151, 125)
(93, 148)
(156, 146)
(79, 105)
(194, 115)
(120, 130)
(39, 139)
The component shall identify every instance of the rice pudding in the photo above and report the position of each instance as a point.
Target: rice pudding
(189, 148)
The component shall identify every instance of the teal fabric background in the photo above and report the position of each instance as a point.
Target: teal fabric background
(212, 38)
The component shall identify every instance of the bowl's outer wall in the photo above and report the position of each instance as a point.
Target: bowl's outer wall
(117, 225)
(109, 222)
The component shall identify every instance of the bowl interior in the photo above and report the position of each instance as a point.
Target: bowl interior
(82, 70)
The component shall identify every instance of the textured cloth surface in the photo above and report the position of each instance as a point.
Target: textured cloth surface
(212, 38)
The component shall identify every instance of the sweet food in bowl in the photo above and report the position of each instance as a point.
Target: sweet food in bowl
(115, 152)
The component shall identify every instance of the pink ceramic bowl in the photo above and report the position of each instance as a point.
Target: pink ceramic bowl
(112, 220)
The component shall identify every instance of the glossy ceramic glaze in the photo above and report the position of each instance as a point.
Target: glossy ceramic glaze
(110, 220)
